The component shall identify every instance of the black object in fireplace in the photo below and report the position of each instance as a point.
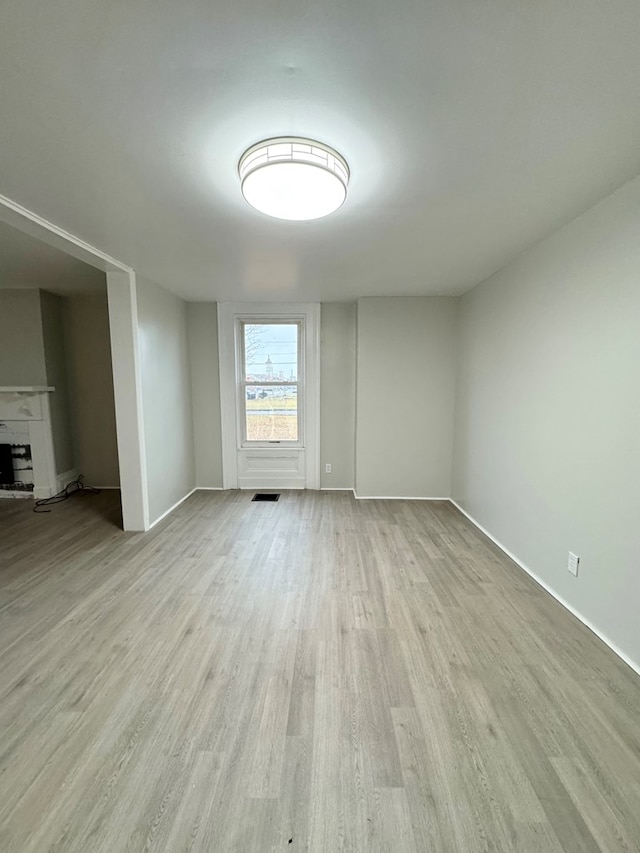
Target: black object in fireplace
(6, 465)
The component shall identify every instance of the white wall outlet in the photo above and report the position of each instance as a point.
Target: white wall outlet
(574, 562)
(327, 468)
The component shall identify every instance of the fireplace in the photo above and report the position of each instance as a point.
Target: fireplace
(27, 462)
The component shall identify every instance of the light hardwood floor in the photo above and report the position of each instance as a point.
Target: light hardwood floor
(317, 674)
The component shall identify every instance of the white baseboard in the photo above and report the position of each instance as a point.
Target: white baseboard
(614, 648)
(336, 489)
(269, 486)
(71, 476)
(209, 489)
(170, 510)
(65, 478)
(396, 498)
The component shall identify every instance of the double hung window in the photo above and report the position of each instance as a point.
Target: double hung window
(270, 387)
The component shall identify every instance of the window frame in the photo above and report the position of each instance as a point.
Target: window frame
(227, 313)
(242, 384)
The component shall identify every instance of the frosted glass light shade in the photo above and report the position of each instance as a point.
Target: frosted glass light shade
(293, 178)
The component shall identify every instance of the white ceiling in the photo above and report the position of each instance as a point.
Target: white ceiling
(26, 262)
(472, 128)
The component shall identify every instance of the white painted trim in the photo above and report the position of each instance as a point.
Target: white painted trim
(169, 511)
(41, 493)
(396, 498)
(228, 313)
(127, 388)
(65, 478)
(312, 395)
(14, 213)
(209, 489)
(624, 657)
(378, 497)
(47, 440)
(228, 417)
(270, 486)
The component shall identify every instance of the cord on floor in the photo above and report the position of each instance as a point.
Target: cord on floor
(72, 488)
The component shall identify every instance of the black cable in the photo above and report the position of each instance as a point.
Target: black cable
(70, 489)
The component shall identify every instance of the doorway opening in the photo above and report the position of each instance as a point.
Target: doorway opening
(57, 409)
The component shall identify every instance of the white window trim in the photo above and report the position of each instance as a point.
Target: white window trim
(243, 441)
(228, 314)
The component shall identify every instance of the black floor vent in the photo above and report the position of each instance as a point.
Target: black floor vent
(262, 496)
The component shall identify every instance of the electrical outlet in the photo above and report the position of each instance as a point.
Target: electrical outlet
(574, 562)
(327, 468)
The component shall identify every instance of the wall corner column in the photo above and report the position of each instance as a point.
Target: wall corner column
(127, 387)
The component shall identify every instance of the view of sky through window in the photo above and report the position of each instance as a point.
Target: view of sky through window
(271, 351)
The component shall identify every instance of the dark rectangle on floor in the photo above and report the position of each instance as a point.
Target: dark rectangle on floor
(262, 496)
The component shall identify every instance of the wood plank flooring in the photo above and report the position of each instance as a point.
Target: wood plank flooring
(318, 674)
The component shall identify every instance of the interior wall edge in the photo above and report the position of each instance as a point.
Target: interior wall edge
(170, 510)
(634, 665)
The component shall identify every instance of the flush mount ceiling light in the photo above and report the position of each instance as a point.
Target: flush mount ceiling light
(293, 178)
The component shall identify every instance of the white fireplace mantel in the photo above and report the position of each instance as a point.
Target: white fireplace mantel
(30, 404)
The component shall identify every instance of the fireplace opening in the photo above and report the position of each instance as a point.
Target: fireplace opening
(16, 468)
(6, 465)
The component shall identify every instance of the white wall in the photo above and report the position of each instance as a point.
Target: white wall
(405, 396)
(21, 343)
(547, 441)
(93, 419)
(51, 307)
(202, 322)
(337, 394)
(166, 396)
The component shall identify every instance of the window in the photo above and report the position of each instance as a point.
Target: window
(270, 387)
(255, 456)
